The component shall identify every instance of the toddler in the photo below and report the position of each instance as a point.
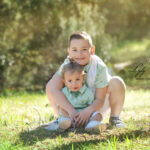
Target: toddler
(80, 97)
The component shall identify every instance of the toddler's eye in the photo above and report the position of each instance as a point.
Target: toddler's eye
(84, 49)
(78, 79)
(69, 81)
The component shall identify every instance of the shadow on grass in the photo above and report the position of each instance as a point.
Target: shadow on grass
(31, 137)
(114, 138)
(83, 138)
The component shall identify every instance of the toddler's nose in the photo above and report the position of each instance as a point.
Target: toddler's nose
(74, 84)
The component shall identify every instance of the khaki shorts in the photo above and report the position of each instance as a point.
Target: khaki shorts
(106, 107)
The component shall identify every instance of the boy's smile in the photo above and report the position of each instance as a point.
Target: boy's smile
(80, 51)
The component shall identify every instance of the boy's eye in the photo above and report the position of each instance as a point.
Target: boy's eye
(69, 81)
(74, 50)
(78, 79)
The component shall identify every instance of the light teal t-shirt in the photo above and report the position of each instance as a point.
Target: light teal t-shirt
(102, 75)
(80, 99)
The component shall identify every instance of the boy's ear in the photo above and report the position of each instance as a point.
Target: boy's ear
(68, 50)
(84, 77)
(92, 50)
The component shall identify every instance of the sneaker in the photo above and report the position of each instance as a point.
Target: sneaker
(61, 123)
(117, 122)
(95, 126)
(52, 126)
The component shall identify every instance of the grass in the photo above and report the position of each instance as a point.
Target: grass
(21, 112)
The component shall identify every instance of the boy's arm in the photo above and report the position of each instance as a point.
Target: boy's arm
(84, 115)
(101, 84)
(99, 99)
(54, 91)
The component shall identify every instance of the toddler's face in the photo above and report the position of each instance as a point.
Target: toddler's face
(73, 80)
(80, 51)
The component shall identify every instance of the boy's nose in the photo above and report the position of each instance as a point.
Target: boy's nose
(79, 52)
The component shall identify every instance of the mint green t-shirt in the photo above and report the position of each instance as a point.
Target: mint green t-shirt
(102, 76)
(80, 99)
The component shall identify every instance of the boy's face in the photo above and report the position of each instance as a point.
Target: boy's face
(74, 80)
(80, 51)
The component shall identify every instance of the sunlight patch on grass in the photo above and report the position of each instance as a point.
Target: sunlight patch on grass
(137, 98)
(131, 50)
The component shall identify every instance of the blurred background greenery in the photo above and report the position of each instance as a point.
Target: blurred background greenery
(34, 38)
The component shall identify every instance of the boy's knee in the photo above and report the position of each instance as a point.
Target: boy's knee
(117, 82)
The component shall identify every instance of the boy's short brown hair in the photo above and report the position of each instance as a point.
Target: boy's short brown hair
(81, 35)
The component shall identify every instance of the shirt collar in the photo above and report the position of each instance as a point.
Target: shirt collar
(83, 88)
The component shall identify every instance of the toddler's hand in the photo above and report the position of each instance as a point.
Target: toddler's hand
(72, 114)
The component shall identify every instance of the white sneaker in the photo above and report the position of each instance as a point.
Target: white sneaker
(61, 123)
(52, 126)
(95, 126)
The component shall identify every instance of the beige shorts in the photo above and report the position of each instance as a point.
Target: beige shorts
(106, 107)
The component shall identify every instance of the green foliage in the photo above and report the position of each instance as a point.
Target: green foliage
(34, 34)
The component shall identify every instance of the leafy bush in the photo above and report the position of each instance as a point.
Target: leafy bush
(34, 34)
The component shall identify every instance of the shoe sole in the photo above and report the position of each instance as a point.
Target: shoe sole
(111, 126)
(63, 125)
(99, 127)
(47, 124)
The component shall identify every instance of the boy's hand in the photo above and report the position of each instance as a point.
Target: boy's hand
(82, 118)
(72, 114)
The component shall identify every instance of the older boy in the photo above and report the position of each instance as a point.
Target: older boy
(109, 91)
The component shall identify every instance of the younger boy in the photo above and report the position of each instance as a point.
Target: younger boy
(80, 97)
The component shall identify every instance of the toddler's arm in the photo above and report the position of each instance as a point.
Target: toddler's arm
(53, 90)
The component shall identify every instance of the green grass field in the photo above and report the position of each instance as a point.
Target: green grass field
(21, 112)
